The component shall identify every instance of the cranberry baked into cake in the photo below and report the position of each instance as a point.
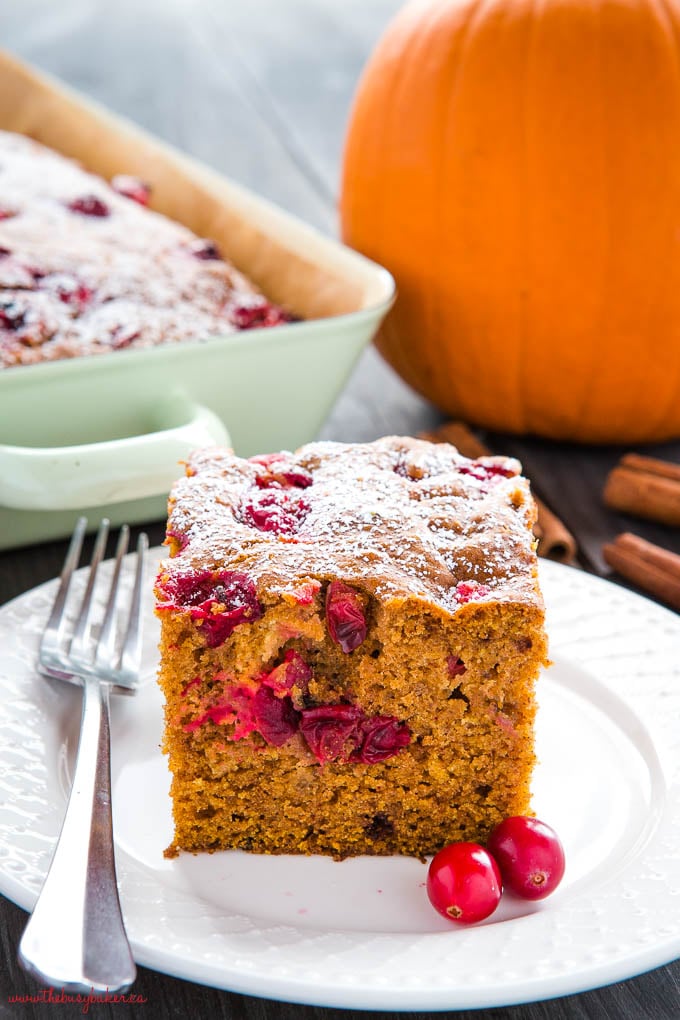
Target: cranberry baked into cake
(350, 637)
(85, 268)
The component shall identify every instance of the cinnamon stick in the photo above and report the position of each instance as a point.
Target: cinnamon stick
(655, 570)
(645, 487)
(460, 436)
(555, 541)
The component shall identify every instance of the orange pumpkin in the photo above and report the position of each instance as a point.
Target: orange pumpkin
(517, 167)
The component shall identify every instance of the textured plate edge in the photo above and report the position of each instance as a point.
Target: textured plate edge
(438, 999)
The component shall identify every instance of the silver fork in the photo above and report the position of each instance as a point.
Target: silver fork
(75, 938)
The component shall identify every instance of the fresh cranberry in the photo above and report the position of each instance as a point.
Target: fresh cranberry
(5, 252)
(256, 313)
(204, 249)
(6, 213)
(345, 616)
(529, 855)
(276, 511)
(284, 476)
(132, 187)
(219, 600)
(345, 733)
(292, 672)
(331, 731)
(485, 472)
(275, 718)
(382, 737)
(74, 293)
(89, 205)
(455, 666)
(191, 589)
(467, 591)
(11, 316)
(464, 883)
(298, 672)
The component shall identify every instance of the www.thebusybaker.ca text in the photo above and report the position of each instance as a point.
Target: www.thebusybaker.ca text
(62, 997)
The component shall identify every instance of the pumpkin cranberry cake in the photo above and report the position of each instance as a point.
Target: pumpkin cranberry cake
(350, 637)
(85, 268)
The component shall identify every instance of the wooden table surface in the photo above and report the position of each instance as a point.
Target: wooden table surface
(261, 90)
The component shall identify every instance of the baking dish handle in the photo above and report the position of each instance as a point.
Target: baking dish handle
(98, 474)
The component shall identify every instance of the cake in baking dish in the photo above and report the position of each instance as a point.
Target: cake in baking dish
(350, 638)
(85, 268)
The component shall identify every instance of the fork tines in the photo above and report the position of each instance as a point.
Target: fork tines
(84, 654)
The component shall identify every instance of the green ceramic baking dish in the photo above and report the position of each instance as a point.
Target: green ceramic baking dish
(104, 434)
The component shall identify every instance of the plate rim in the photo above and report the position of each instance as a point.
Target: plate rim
(375, 996)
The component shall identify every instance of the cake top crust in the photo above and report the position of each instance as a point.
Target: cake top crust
(401, 518)
(86, 268)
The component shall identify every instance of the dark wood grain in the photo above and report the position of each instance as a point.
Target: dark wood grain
(261, 90)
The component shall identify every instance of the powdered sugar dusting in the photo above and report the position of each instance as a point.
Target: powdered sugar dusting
(399, 518)
(86, 270)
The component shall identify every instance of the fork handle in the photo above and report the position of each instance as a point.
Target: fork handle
(75, 938)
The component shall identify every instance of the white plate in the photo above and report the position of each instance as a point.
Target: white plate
(361, 933)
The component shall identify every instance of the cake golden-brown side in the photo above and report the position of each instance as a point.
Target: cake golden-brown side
(350, 638)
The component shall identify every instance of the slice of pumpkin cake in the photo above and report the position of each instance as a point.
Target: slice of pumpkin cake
(350, 638)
